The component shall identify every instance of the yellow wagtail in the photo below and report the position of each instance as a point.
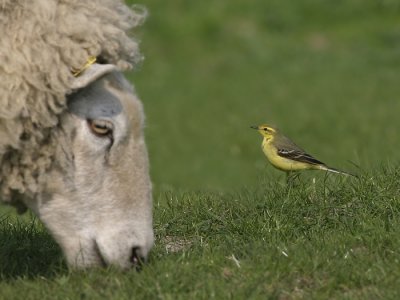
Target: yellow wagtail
(285, 155)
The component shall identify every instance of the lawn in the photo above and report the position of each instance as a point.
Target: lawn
(227, 226)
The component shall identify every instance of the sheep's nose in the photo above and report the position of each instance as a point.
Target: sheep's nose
(137, 258)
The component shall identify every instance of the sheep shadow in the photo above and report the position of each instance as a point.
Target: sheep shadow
(27, 250)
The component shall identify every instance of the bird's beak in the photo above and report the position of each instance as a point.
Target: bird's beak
(254, 127)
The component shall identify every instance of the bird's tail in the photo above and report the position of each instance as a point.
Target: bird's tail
(333, 170)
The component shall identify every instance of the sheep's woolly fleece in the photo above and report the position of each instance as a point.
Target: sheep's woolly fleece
(41, 41)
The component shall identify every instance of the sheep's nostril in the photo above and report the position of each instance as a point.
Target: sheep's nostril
(136, 259)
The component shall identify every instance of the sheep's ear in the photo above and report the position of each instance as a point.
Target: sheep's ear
(91, 74)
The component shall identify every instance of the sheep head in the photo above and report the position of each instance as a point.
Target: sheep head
(96, 200)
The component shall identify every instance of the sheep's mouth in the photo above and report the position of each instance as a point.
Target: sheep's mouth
(136, 261)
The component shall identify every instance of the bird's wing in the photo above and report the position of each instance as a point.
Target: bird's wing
(288, 149)
(299, 156)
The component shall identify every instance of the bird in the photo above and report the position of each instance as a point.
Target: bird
(286, 156)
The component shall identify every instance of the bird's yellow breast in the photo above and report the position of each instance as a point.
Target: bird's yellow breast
(281, 163)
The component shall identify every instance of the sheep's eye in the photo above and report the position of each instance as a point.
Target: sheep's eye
(101, 128)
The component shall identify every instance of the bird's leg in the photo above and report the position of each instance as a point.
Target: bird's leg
(291, 177)
(288, 178)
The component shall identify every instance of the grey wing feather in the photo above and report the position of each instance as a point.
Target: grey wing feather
(289, 150)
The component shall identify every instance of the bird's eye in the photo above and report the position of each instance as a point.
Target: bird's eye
(265, 129)
(101, 128)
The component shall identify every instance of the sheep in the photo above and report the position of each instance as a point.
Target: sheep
(72, 146)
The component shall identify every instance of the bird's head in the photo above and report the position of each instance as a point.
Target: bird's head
(265, 130)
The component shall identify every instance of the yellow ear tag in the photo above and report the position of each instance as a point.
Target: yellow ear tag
(90, 61)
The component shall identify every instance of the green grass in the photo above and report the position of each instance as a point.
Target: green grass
(326, 73)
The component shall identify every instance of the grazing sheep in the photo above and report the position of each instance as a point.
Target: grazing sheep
(72, 147)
